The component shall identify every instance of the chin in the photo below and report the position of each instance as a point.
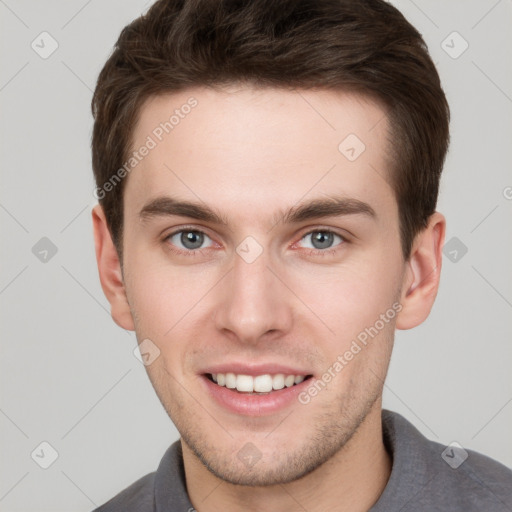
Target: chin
(243, 463)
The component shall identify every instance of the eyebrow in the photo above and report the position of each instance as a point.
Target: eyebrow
(332, 206)
(167, 206)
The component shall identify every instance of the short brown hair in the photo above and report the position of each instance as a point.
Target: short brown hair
(359, 45)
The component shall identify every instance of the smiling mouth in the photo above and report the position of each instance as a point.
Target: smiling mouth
(256, 385)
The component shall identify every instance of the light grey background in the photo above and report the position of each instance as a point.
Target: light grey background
(68, 373)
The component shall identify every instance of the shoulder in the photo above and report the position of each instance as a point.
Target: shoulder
(138, 497)
(471, 480)
(427, 475)
(164, 489)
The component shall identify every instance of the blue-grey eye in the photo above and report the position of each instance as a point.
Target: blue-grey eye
(322, 239)
(189, 239)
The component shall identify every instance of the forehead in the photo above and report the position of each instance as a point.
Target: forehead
(249, 149)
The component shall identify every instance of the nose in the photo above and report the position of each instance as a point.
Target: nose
(253, 304)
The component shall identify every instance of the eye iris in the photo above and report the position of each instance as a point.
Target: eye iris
(192, 239)
(322, 239)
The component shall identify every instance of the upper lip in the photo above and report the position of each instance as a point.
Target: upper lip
(255, 369)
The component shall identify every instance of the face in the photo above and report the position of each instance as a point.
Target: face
(260, 245)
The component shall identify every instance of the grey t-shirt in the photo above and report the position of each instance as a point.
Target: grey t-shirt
(426, 476)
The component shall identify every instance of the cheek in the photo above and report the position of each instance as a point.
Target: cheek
(166, 302)
(162, 294)
(349, 298)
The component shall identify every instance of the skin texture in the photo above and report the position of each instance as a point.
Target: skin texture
(251, 154)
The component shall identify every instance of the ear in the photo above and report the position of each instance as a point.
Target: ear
(109, 268)
(422, 273)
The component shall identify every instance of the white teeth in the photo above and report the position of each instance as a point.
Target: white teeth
(263, 383)
(230, 380)
(259, 384)
(278, 381)
(244, 383)
(289, 380)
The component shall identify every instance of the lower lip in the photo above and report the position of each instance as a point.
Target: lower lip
(254, 405)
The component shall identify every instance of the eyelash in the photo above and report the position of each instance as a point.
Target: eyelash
(310, 252)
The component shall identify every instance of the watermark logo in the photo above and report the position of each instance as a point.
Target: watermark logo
(351, 147)
(44, 45)
(249, 249)
(249, 455)
(147, 352)
(454, 45)
(454, 455)
(44, 250)
(44, 455)
(454, 249)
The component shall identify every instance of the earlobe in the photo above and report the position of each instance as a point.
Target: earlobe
(422, 273)
(109, 269)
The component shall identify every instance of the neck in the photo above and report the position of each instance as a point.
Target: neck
(353, 479)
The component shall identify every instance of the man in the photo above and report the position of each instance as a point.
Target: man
(267, 174)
